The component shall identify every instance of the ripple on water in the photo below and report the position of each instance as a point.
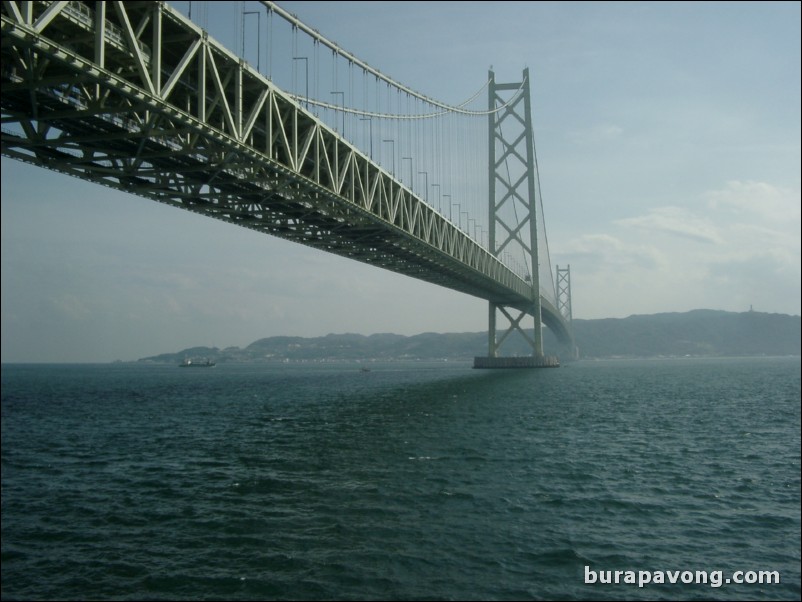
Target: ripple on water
(259, 482)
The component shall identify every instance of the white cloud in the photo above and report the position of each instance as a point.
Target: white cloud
(678, 221)
(758, 201)
(739, 245)
(757, 280)
(607, 250)
(761, 223)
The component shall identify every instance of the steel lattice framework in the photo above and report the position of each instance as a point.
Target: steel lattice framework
(512, 183)
(564, 292)
(564, 303)
(134, 96)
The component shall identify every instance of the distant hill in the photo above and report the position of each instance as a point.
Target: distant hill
(700, 332)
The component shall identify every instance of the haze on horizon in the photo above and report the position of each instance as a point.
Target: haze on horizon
(668, 140)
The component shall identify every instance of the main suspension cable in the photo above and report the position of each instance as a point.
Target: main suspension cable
(317, 36)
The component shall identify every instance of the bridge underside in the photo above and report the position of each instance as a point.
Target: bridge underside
(136, 121)
(280, 204)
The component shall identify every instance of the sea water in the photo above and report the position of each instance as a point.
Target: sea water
(407, 481)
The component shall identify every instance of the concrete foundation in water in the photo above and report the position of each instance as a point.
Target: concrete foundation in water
(544, 361)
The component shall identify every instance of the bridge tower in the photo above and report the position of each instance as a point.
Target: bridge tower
(564, 293)
(512, 215)
(564, 304)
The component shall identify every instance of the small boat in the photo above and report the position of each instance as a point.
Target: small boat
(204, 363)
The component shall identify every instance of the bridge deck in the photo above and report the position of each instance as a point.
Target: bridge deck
(165, 112)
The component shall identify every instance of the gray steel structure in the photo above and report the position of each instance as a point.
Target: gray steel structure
(512, 181)
(564, 304)
(564, 293)
(134, 96)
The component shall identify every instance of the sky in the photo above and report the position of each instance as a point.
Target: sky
(668, 141)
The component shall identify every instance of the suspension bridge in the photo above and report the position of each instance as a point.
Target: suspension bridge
(312, 145)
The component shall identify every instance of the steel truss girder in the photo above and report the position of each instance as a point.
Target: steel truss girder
(137, 98)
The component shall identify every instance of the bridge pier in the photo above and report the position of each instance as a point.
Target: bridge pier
(543, 361)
